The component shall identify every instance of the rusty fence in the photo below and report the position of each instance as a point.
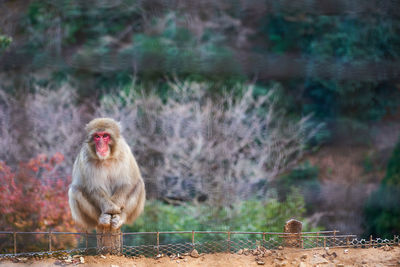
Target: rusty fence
(151, 244)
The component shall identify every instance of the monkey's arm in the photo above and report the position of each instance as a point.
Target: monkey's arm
(124, 192)
(105, 203)
(131, 188)
(132, 202)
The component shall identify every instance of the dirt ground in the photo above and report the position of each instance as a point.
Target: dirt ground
(336, 257)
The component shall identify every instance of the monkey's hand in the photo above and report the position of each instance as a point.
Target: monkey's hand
(104, 219)
(117, 221)
(111, 208)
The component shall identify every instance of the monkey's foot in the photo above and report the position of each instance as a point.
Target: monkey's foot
(116, 221)
(105, 219)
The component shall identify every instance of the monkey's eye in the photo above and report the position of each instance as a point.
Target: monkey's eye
(96, 137)
(106, 136)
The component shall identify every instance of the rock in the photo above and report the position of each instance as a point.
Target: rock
(364, 262)
(318, 260)
(280, 248)
(280, 264)
(260, 262)
(82, 260)
(178, 261)
(103, 257)
(284, 263)
(327, 249)
(346, 251)
(340, 265)
(157, 257)
(281, 258)
(194, 253)
(22, 259)
(302, 264)
(246, 251)
(240, 252)
(303, 257)
(112, 265)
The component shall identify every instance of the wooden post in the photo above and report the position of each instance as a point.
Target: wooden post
(108, 240)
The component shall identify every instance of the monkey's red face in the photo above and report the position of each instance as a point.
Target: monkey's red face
(102, 140)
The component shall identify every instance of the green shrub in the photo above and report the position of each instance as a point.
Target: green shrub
(5, 42)
(382, 209)
(249, 215)
(305, 179)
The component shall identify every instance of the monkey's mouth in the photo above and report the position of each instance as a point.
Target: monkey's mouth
(102, 150)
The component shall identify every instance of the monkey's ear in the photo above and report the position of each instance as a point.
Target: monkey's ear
(87, 127)
(119, 124)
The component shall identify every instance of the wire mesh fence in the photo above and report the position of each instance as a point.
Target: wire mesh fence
(151, 244)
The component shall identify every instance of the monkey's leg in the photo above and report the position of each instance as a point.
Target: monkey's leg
(106, 204)
(135, 204)
(131, 201)
(83, 211)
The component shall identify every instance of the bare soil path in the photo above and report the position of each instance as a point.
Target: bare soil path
(336, 257)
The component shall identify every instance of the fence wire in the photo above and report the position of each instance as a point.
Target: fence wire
(151, 244)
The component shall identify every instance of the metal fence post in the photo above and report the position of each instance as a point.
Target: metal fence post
(50, 235)
(263, 238)
(87, 241)
(301, 240)
(334, 238)
(193, 245)
(158, 242)
(370, 241)
(122, 243)
(15, 243)
(229, 241)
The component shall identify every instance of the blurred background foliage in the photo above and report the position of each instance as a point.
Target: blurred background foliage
(382, 209)
(336, 61)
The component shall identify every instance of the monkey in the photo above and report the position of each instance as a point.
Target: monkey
(107, 189)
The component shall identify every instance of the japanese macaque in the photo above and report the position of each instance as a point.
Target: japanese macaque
(107, 188)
